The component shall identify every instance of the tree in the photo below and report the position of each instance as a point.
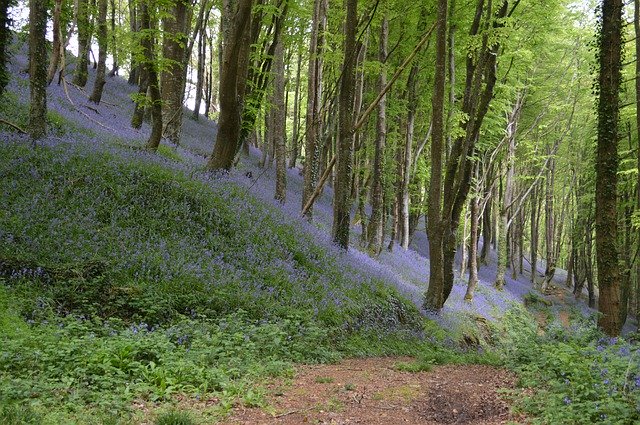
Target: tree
(609, 77)
(175, 27)
(5, 40)
(37, 69)
(150, 69)
(231, 99)
(314, 99)
(83, 22)
(344, 148)
(99, 82)
(278, 131)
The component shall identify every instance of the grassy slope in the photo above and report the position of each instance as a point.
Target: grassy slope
(125, 276)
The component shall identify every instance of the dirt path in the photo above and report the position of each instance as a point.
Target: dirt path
(372, 391)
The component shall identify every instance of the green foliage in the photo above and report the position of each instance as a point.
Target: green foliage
(579, 375)
(413, 367)
(16, 414)
(174, 417)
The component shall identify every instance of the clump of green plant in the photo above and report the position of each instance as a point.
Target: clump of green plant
(324, 380)
(174, 417)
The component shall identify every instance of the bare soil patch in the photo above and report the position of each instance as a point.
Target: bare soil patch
(372, 391)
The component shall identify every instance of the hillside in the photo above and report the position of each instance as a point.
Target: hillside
(131, 282)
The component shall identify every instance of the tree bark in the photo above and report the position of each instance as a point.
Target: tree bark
(376, 231)
(5, 40)
(344, 148)
(175, 28)
(150, 69)
(231, 99)
(37, 69)
(84, 43)
(434, 299)
(610, 48)
(56, 46)
(101, 71)
(295, 149)
(278, 130)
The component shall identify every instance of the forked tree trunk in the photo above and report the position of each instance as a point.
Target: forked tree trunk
(57, 50)
(231, 98)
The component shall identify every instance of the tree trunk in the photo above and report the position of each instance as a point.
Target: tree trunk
(376, 231)
(37, 69)
(610, 48)
(134, 26)
(6, 36)
(150, 66)
(114, 42)
(406, 174)
(99, 82)
(278, 130)
(231, 99)
(511, 133)
(202, 55)
(344, 148)
(175, 27)
(314, 97)
(473, 249)
(434, 299)
(295, 149)
(84, 43)
(549, 228)
(56, 46)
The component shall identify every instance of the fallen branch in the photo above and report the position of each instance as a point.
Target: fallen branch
(66, 91)
(12, 125)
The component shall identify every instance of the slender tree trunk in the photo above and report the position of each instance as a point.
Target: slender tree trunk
(511, 133)
(148, 47)
(37, 69)
(5, 40)
(134, 26)
(99, 82)
(344, 148)
(436, 228)
(406, 174)
(114, 42)
(295, 148)
(376, 231)
(549, 228)
(610, 48)
(279, 116)
(56, 45)
(202, 56)
(84, 43)
(175, 28)
(313, 124)
(473, 249)
(636, 26)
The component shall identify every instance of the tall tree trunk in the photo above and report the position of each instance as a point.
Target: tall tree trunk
(549, 228)
(295, 149)
(312, 146)
(5, 40)
(150, 69)
(505, 210)
(37, 69)
(99, 82)
(434, 299)
(636, 26)
(134, 27)
(344, 148)
(114, 42)
(376, 231)
(56, 46)
(610, 48)
(202, 56)
(231, 99)
(406, 174)
(175, 27)
(278, 131)
(473, 248)
(84, 43)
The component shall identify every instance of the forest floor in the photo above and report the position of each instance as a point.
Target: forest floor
(373, 391)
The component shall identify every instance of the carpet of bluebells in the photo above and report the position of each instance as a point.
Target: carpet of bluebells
(129, 278)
